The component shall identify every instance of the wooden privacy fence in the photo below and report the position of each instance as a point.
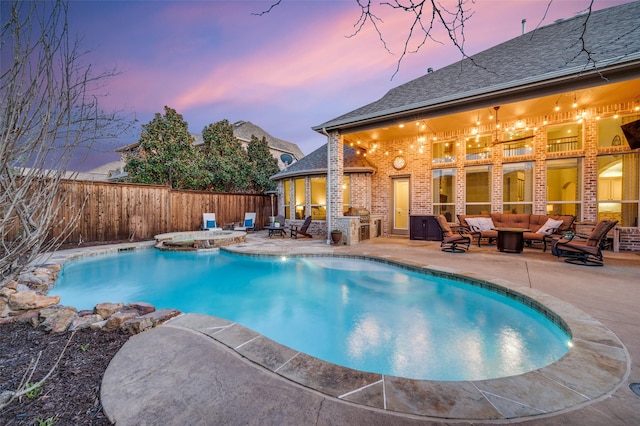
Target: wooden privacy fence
(121, 211)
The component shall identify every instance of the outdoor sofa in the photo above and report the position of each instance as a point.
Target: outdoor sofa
(542, 227)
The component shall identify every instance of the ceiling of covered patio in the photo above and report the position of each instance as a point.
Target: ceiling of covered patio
(560, 107)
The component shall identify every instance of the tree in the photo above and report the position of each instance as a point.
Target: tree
(49, 111)
(225, 158)
(263, 165)
(166, 155)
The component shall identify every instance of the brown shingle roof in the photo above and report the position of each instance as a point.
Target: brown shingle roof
(316, 163)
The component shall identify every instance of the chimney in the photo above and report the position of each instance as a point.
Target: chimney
(524, 26)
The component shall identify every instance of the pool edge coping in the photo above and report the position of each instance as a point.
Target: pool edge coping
(593, 368)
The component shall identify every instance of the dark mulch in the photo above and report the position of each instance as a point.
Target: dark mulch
(71, 394)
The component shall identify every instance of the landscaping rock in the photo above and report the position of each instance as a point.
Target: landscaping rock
(26, 300)
(84, 321)
(137, 325)
(161, 315)
(143, 308)
(116, 320)
(60, 320)
(98, 325)
(12, 285)
(6, 292)
(105, 310)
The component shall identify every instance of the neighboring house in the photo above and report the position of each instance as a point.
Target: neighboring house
(242, 130)
(303, 187)
(106, 172)
(532, 125)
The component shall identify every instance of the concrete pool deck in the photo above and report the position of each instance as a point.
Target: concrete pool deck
(179, 374)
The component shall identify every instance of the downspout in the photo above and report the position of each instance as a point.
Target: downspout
(324, 131)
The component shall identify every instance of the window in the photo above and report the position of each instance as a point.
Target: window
(619, 188)
(318, 198)
(517, 188)
(564, 187)
(610, 133)
(287, 199)
(444, 193)
(479, 147)
(346, 192)
(478, 190)
(564, 137)
(517, 142)
(299, 197)
(444, 152)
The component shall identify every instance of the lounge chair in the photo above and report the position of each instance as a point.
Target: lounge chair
(209, 222)
(584, 250)
(303, 229)
(249, 223)
(453, 242)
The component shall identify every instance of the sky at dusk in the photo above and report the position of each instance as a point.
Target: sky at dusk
(284, 71)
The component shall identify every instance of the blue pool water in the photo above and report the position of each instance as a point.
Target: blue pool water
(356, 313)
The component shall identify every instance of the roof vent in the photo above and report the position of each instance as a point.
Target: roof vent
(429, 70)
(524, 26)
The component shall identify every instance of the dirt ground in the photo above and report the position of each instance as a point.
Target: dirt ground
(71, 395)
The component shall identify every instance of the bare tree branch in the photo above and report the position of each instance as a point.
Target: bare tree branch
(48, 110)
(264, 12)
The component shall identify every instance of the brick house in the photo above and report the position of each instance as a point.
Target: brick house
(532, 125)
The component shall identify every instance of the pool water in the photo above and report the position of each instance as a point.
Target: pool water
(360, 314)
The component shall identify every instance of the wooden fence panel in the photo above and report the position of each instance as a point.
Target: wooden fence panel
(120, 211)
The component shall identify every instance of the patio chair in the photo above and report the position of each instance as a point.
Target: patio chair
(453, 242)
(209, 222)
(584, 250)
(249, 223)
(303, 229)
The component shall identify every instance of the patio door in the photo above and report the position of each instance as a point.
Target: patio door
(400, 206)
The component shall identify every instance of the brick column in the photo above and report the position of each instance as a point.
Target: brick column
(335, 166)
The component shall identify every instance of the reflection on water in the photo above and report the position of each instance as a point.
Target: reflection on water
(364, 315)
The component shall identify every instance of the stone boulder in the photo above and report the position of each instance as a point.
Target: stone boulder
(26, 300)
(150, 320)
(143, 308)
(59, 320)
(105, 310)
(116, 320)
(84, 321)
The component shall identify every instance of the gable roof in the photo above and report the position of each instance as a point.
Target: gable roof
(244, 129)
(545, 61)
(316, 163)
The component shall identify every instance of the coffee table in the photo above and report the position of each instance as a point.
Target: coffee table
(276, 230)
(511, 240)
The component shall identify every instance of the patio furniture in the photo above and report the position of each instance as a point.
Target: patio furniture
(584, 250)
(541, 228)
(249, 223)
(511, 240)
(453, 242)
(276, 230)
(209, 222)
(303, 229)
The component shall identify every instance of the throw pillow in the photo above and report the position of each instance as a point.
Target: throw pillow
(248, 223)
(211, 224)
(473, 223)
(485, 223)
(549, 227)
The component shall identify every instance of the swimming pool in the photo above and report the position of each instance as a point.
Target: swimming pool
(360, 314)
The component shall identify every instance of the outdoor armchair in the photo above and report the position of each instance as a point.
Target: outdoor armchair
(584, 250)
